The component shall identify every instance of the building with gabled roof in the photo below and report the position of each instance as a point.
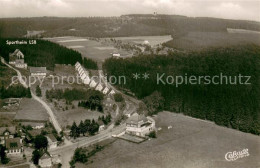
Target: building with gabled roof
(139, 125)
(6, 133)
(38, 71)
(45, 161)
(52, 141)
(14, 146)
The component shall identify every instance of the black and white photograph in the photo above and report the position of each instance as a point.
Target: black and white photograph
(129, 83)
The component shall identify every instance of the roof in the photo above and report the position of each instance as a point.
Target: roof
(38, 70)
(9, 129)
(33, 124)
(19, 61)
(136, 118)
(13, 143)
(51, 137)
(45, 156)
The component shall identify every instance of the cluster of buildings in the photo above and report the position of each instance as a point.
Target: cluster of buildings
(14, 145)
(92, 82)
(17, 59)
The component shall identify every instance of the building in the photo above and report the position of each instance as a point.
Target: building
(38, 71)
(86, 80)
(6, 133)
(14, 146)
(99, 87)
(52, 141)
(101, 125)
(93, 83)
(45, 161)
(34, 125)
(19, 63)
(105, 91)
(139, 125)
(17, 54)
(112, 92)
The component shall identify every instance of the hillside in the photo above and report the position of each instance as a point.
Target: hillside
(126, 25)
(226, 103)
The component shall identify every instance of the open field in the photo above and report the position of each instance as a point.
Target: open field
(31, 110)
(6, 120)
(200, 40)
(69, 116)
(88, 48)
(153, 40)
(191, 143)
(6, 75)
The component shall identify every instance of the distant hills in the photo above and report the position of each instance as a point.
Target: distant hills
(125, 25)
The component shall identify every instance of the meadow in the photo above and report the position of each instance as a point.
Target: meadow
(189, 143)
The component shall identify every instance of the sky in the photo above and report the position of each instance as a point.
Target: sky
(228, 9)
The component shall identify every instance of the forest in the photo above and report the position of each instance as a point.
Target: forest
(42, 54)
(231, 105)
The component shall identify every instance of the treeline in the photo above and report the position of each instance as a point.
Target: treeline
(231, 105)
(137, 25)
(42, 54)
(73, 94)
(92, 103)
(89, 127)
(16, 91)
(90, 64)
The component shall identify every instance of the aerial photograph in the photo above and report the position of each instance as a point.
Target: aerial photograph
(129, 83)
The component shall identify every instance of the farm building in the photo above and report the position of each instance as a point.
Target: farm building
(52, 141)
(45, 161)
(38, 71)
(14, 146)
(139, 125)
(6, 133)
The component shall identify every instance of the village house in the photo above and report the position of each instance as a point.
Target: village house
(6, 133)
(45, 161)
(19, 63)
(99, 87)
(34, 125)
(139, 125)
(93, 83)
(105, 91)
(40, 72)
(14, 146)
(17, 54)
(112, 92)
(101, 125)
(52, 141)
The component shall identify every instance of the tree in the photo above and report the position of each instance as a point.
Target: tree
(28, 93)
(40, 142)
(152, 134)
(38, 91)
(118, 97)
(4, 159)
(74, 131)
(36, 156)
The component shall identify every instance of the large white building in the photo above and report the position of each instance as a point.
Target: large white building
(139, 125)
(14, 146)
(38, 71)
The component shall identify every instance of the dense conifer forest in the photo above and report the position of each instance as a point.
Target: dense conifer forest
(230, 105)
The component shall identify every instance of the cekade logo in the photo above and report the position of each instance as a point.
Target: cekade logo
(232, 156)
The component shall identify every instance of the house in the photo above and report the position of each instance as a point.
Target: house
(18, 54)
(116, 55)
(6, 133)
(101, 125)
(38, 71)
(34, 125)
(86, 80)
(99, 87)
(52, 141)
(105, 91)
(139, 125)
(45, 161)
(93, 83)
(14, 146)
(19, 63)
(112, 92)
